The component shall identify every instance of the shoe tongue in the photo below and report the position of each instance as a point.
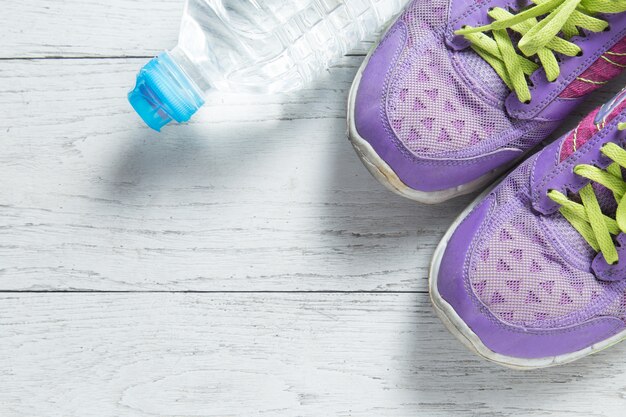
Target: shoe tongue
(606, 200)
(482, 73)
(591, 125)
(572, 143)
(571, 240)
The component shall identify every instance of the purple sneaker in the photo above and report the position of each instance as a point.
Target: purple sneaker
(533, 274)
(434, 114)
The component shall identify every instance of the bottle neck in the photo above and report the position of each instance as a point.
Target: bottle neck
(192, 70)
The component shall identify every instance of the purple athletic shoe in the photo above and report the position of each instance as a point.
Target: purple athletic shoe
(434, 114)
(533, 274)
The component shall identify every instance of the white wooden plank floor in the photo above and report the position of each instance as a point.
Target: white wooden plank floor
(243, 264)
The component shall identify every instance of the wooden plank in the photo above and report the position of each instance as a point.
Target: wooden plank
(75, 28)
(257, 193)
(92, 28)
(243, 355)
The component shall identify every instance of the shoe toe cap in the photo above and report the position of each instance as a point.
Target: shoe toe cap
(490, 336)
(375, 114)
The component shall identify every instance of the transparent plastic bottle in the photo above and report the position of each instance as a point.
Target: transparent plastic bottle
(261, 46)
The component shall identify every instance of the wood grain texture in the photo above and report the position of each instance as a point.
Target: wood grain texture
(257, 193)
(93, 28)
(74, 28)
(270, 355)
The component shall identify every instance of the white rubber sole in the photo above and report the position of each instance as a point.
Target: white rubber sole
(383, 172)
(464, 333)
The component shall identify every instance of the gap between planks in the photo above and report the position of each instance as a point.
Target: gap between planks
(203, 292)
(75, 58)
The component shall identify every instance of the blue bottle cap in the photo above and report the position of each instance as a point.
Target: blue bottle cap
(164, 93)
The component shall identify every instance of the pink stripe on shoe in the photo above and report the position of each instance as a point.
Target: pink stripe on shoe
(607, 67)
(587, 129)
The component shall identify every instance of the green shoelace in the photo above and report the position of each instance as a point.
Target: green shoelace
(541, 38)
(597, 228)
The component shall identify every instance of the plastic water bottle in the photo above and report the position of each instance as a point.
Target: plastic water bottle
(261, 46)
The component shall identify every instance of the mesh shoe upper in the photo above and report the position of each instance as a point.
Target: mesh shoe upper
(530, 270)
(534, 270)
(443, 103)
